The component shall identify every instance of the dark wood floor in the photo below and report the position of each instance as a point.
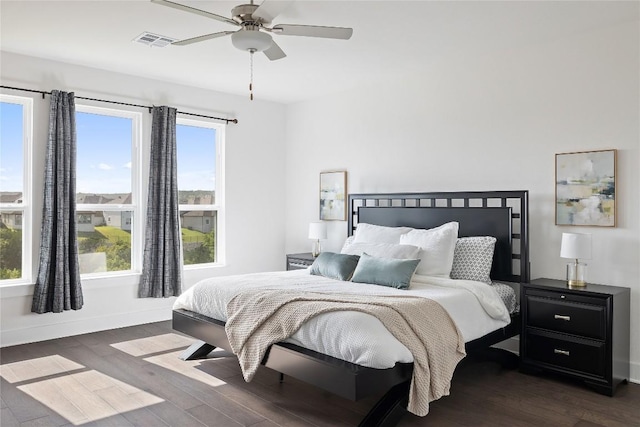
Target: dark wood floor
(132, 376)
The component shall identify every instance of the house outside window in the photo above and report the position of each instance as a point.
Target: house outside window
(107, 185)
(16, 254)
(84, 219)
(200, 186)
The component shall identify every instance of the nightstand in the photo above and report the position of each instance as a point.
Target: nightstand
(581, 333)
(299, 261)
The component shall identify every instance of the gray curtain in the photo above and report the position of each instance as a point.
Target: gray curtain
(58, 284)
(162, 262)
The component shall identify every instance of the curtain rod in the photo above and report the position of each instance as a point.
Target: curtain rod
(120, 103)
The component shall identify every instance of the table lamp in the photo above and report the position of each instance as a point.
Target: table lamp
(317, 231)
(576, 246)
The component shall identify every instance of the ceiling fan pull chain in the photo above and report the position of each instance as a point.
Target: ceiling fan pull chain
(251, 81)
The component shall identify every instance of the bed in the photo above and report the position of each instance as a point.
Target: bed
(501, 214)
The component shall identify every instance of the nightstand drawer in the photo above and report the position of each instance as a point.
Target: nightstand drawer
(585, 356)
(295, 264)
(586, 320)
(299, 261)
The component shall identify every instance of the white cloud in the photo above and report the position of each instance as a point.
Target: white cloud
(197, 180)
(105, 167)
(104, 186)
(127, 165)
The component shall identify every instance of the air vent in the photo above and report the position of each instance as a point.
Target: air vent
(153, 40)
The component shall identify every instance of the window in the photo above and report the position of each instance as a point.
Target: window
(107, 182)
(199, 152)
(15, 186)
(84, 219)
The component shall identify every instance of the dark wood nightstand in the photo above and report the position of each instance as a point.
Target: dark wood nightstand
(299, 261)
(582, 333)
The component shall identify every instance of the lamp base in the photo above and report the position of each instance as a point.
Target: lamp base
(316, 249)
(576, 272)
(577, 283)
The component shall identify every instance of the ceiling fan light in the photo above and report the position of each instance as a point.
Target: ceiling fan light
(251, 40)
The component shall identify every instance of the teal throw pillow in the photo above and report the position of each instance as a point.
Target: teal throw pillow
(334, 266)
(395, 273)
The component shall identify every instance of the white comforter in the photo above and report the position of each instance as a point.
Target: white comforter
(353, 336)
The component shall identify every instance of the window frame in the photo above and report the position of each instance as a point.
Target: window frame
(137, 231)
(218, 206)
(26, 207)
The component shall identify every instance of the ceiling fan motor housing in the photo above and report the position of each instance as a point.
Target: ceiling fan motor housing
(244, 14)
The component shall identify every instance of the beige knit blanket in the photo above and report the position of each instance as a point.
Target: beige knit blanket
(259, 318)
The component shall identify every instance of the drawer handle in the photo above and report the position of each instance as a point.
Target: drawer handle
(561, 317)
(564, 352)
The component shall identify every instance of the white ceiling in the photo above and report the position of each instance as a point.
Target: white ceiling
(390, 38)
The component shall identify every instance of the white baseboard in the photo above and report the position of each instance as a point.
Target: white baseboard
(82, 326)
(635, 373)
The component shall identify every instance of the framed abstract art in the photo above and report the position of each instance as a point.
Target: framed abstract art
(333, 200)
(586, 188)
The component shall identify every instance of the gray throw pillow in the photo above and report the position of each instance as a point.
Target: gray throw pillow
(334, 266)
(395, 273)
(472, 258)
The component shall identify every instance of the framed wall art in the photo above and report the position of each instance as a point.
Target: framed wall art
(586, 188)
(333, 199)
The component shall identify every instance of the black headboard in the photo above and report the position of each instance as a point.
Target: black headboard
(501, 214)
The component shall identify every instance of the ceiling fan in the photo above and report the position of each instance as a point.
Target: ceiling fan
(254, 34)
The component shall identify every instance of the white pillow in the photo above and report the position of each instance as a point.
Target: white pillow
(437, 248)
(382, 250)
(346, 244)
(369, 233)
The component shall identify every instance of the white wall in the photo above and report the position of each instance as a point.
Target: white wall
(487, 123)
(477, 123)
(254, 197)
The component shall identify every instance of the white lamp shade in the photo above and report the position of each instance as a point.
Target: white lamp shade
(318, 230)
(576, 246)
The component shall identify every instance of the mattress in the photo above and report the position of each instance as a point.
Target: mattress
(356, 337)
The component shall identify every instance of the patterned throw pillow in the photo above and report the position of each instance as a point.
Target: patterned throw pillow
(472, 258)
(507, 295)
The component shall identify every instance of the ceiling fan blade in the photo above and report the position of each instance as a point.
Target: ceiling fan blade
(274, 52)
(269, 9)
(313, 31)
(196, 11)
(202, 38)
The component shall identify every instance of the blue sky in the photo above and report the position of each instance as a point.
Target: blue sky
(11, 147)
(104, 153)
(196, 158)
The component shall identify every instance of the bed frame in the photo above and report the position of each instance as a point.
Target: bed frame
(502, 214)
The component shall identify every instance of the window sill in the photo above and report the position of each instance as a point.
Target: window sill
(128, 279)
(213, 265)
(16, 290)
(112, 281)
